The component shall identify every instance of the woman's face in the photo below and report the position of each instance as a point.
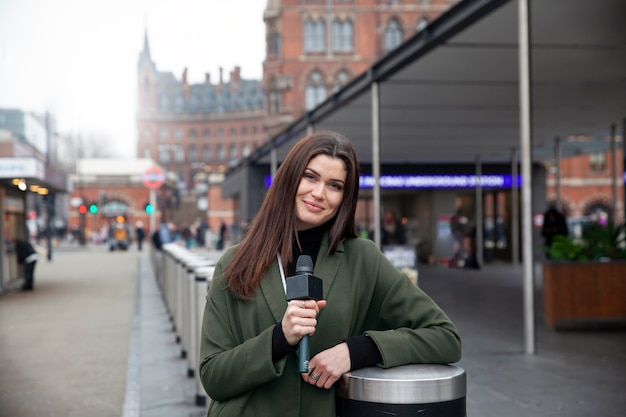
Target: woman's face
(320, 192)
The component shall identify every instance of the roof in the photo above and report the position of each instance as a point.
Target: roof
(451, 92)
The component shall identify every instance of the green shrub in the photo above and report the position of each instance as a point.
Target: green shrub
(597, 242)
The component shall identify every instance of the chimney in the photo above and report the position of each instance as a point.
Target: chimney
(221, 74)
(207, 78)
(185, 84)
(235, 77)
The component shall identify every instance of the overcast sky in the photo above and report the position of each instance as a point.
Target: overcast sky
(78, 58)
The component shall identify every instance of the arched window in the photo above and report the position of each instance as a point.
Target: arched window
(341, 79)
(274, 97)
(314, 38)
(315, 91)
(343, 36)
(393, 35)
(273, 44)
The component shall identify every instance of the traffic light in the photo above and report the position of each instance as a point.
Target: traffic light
(93, 208)
(149, 208)
(82, 209)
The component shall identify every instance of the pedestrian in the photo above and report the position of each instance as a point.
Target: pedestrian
(221, 237)
(27, 259)
(140, 234)
(371, 313)
(392, 230)
(554, 224)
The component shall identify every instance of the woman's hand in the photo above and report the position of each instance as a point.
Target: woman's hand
(300, 319)
(328, 366)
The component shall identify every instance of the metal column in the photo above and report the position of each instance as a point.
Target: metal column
(615, 216)
(478, 241)
(526, 159)
(376, 161)
(514, 207)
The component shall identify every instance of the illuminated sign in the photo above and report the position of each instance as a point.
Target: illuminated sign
(434, 181)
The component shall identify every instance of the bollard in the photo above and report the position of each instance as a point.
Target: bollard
(203, 277)
(410, 390)
(180, 316)
(189, 312)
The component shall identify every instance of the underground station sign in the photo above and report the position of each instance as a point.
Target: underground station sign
(153, 178)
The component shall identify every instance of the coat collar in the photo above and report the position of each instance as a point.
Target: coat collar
(326, 268)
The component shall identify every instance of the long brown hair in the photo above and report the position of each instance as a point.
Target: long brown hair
(273, 229)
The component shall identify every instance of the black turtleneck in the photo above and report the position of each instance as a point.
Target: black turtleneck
(363, 350)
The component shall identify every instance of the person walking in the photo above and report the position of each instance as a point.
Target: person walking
(371, 314)
(140, 234)
(27, 258)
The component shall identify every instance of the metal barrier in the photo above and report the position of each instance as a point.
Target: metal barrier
(410, 390)
(203, 277)
(184, 280)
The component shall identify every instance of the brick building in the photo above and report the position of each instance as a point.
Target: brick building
(312, 49)
(194, 130)
(315, 47)
(586, 188)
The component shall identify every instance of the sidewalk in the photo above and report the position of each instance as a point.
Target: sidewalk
(95, 339)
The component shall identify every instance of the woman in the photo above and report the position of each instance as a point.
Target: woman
(250, 334)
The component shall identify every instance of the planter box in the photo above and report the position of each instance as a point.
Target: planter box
(582, 293)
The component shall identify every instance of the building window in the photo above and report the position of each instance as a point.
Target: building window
(246, 150)
(273, 44)
(343, 36)
(340, 80)
(147, 133)
(274, 97)
(178, 104)
(393, 35)
(164, 153)
(164, 104)
(232, 132)
(421, 25)
(164, 134)
(192, 133)
(597, 161)
(221, 153)
(314, 35)
(206, 133)
(315, 91)
(179, 154)
(147, 153)
(233, 151)
(206, 154)
(193, 153)
(220, 133)
(178, 134)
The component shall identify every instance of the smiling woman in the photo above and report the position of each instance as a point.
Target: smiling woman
(309, 211)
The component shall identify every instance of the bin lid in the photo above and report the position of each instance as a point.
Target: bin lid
(204, 273)
(408, 384)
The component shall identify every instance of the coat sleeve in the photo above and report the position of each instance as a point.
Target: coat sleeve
(406, 324)
(231, 361)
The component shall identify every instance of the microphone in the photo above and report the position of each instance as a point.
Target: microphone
(304, 286)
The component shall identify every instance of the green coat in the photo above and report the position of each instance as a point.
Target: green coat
(365, 293)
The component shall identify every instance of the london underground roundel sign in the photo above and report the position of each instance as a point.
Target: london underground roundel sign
(153, 178)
